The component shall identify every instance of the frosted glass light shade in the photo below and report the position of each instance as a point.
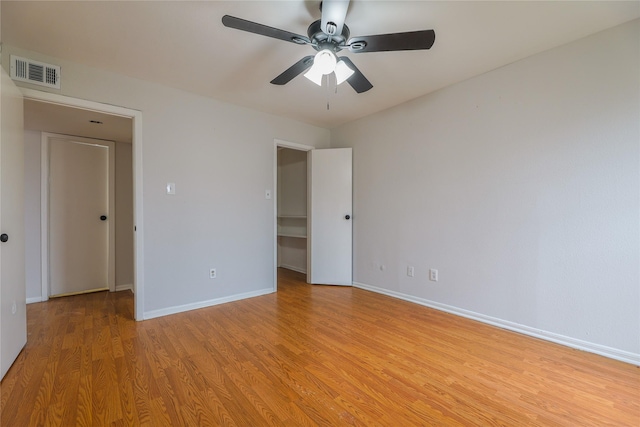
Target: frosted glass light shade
(324, 62)
(314, 76)
(343, 72)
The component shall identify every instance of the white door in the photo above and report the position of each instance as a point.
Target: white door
(78, 217)
(329, 217)
(13, 308)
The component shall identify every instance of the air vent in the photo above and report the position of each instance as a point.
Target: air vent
(38, 73)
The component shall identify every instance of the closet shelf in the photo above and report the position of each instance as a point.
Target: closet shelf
(293, 216)
(297, 236)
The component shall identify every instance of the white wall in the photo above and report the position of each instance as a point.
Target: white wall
(221, 158)
(521, 186)
(124, 215)
(292, 182)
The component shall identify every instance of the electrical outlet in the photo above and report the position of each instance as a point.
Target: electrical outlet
(433, 274)
(410, 271)
(212, 273)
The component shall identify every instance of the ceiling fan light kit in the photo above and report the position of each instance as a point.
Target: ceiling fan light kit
(328, 36)
(324, 63)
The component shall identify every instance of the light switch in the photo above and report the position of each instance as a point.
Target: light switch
(171, 188)
(267, 194)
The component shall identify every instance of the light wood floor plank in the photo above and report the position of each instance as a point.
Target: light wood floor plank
(304, 356)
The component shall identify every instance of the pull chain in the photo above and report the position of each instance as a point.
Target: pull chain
(332, 83)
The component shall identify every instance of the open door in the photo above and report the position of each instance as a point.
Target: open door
(329, 217)
(13, 308)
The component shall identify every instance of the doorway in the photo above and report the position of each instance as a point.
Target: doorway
(290, 207)
(134, 118)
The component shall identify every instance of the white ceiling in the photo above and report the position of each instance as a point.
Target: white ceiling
(183, 44)
(43, 116)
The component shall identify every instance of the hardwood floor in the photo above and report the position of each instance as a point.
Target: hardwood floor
(306, 356)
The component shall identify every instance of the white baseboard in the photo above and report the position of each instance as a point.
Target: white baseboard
(612, 353)
(34, 299)
(127, 287)
(194, 306)
(290, 267)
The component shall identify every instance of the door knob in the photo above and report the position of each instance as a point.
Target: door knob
(347, 217)
(4, 237)
(103, 217)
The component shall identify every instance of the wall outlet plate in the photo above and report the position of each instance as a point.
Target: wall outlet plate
(212, 273)
(433, 274)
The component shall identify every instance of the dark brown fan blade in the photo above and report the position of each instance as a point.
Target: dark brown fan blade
(412, 40)
(358, 81)
(254, 27)
(299, 67)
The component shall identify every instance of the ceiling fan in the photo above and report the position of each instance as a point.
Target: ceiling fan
(328, 36)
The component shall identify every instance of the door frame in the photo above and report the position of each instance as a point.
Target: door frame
(44, 207)
(138, 235)
(279, 143)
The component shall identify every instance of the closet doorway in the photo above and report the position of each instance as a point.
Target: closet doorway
(291, 209)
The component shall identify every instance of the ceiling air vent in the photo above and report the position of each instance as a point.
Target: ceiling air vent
(38, 73)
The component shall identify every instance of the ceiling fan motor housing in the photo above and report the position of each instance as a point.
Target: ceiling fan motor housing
(320, 40)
